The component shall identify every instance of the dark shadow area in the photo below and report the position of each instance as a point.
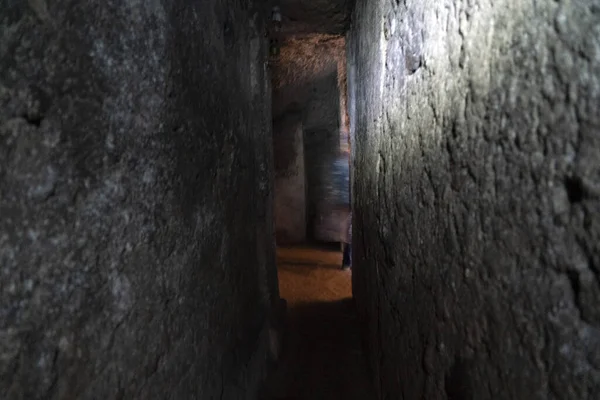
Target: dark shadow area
(322, 355)
(312, 244)
(457, 383)
(316, 16)
(301, 263)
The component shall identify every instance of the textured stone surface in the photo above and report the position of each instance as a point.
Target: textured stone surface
(302, 65)
(321, 141)
(136, 243)
(300, 17)
(477, 208)
(290, 180)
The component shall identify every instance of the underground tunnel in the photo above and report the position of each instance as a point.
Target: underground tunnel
(172, 174)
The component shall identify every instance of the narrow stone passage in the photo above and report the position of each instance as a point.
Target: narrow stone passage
(322, 355)
(154, 154)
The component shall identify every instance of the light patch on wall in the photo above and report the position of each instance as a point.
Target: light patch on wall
(40, 7)
(383, 48)
(120, 288)
(254, 64)
(205, 220)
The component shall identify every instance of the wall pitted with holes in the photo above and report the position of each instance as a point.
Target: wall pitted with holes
(136, 239)
(477, 196)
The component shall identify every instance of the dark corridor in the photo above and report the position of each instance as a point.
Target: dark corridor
(154, 154)
(322, 356)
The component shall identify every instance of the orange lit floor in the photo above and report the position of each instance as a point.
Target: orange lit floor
(322, 357)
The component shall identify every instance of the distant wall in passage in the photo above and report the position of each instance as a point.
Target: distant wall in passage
(290, 180)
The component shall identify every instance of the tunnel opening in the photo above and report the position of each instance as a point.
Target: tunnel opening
(311, 138)
(309, 96)
(311, 182)
(322, 354)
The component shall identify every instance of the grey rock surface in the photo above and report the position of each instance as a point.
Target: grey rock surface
(290, 180)
(476, 127)
(136, 242)
(322, 145)
(301, 17)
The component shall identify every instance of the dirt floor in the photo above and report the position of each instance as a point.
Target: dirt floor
(322, 355)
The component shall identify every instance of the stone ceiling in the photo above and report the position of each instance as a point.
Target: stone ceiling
(301, 17)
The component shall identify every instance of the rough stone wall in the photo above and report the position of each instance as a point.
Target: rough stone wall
(477, 196)
(322, 144)
(136, 237)
(290, 180)
(302, 17)
(302, 65)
